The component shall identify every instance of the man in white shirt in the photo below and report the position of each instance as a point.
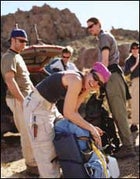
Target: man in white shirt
(63, 63)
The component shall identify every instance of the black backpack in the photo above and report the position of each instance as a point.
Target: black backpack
(96, 114)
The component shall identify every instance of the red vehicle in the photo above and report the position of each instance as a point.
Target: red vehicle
(37, 56)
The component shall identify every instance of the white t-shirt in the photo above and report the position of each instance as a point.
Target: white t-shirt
(57, 65)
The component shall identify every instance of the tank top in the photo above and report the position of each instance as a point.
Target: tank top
(51, 88)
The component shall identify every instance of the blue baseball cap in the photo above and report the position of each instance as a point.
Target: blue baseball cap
(18, 33)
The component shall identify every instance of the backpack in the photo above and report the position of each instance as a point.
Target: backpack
(96, 114)
(75, 162)
(78, 155)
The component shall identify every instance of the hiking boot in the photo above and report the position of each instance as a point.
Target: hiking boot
(125, 151)
(32, 171)
(133, 128)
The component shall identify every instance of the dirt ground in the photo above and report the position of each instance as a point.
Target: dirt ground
(13, 166)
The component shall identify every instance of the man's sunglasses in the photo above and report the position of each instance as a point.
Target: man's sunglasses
(66, 56)
(90, 26)
(96, 78)
(22, 41)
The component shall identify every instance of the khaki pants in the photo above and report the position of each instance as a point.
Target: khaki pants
(135, 101)
(116, 93)
(17, 109)
(39, 111)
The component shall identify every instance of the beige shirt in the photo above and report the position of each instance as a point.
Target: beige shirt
(14, 61)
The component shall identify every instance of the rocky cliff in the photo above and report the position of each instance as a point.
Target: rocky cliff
(60, 27)
(53, 25)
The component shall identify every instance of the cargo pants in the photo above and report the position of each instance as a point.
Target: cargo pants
(17, 110)
(116, 94)
(39, 116)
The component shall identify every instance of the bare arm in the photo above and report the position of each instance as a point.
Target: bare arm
(13, 86)
(70, 109)
(105, 57)
(135, 65)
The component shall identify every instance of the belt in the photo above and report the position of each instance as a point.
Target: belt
(115, 68)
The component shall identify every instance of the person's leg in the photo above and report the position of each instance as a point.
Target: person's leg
(11, 104)
(42, 143)
(135, 104)
(117, 102)
(17, 110)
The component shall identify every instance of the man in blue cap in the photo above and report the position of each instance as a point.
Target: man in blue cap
(19, 85)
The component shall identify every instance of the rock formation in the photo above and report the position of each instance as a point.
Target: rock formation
(60, 27)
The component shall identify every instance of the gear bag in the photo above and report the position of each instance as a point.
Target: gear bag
(96, 114)
(76, 163)
(77, 154)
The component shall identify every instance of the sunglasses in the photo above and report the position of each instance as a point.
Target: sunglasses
(66, 56)
(22, 41)
(90, 26)
(135, 48)
(96, 78)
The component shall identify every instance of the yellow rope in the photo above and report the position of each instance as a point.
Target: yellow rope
(101, 157)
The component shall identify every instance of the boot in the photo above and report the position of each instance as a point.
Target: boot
(133, 128)
(125, 151)
(32, 170)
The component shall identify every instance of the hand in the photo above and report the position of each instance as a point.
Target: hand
(96, 136)
(101, 132)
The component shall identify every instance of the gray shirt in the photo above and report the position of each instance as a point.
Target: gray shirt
(107, 41)
(12, 61)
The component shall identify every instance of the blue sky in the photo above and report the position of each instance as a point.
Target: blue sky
(119, 14)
